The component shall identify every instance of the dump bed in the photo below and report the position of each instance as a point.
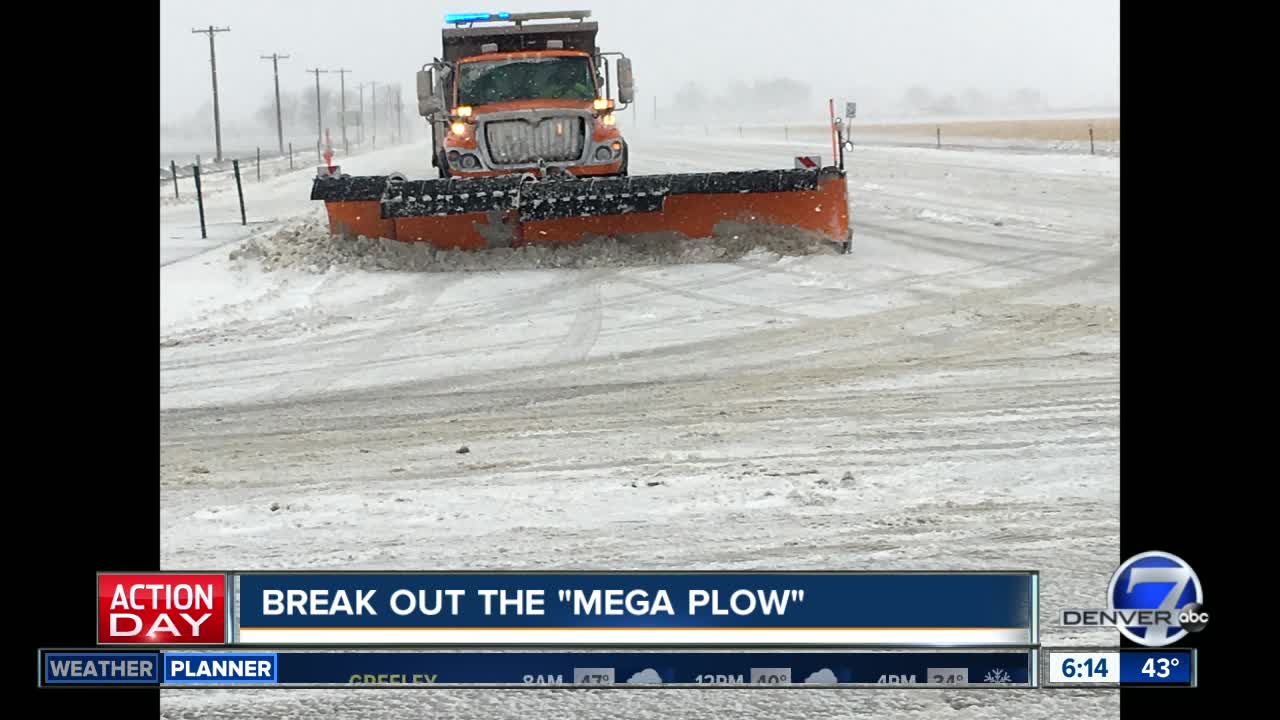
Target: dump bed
(461, 42)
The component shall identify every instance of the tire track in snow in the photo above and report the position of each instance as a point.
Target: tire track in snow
(511, 307)
(700, 297)
(755, 350)
(236, 356)
(372, 347)
(585, 329)
(533, 304)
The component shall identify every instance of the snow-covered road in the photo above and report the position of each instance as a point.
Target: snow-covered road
(945, 396)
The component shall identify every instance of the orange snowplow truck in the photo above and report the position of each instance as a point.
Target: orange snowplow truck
(515, 95)
(526, 142)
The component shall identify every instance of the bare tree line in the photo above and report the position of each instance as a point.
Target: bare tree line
(785, 96)
(694, 100)
(922, 100)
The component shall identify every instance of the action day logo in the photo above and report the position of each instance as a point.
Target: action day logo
(1155, 599)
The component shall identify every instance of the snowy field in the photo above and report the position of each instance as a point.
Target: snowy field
(944, 397)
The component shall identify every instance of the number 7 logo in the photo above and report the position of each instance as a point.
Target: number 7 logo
(1154, 581)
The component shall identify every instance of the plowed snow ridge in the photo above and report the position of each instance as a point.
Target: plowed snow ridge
(310, 247)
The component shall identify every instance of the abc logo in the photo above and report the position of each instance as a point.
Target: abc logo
(1193, 617)
(1165, 585)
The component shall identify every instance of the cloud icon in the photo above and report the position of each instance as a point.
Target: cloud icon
(646, 676)
(823, 677)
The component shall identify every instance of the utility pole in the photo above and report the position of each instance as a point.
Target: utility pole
(373, 103)
(360, 127)
(275, 59)
(399, 115)
(213, 65)
(319, 119)
(342, 83)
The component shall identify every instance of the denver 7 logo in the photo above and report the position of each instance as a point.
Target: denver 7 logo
(1162, 584)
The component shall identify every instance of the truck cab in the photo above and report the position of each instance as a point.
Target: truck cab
(512, 95)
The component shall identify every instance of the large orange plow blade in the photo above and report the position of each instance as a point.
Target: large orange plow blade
(510, 211)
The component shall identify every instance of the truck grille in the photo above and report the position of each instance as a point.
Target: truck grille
(554, 139)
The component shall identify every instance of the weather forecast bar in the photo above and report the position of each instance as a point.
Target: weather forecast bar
(443, 668)
(821, 609)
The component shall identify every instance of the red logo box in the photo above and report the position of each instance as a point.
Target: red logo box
(168, 608)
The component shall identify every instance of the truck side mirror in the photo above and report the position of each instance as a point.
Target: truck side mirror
(626, 83)
(428, 102)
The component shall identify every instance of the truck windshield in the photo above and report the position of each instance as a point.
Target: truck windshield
(555, 78)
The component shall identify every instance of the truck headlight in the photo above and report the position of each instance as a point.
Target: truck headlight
(454, 157)
(609, 120)
(603, 154)
(470, 162)
(602, 103)
(459, 128)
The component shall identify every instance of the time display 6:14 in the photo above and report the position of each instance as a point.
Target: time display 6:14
(1084, 667)
(1088, 668)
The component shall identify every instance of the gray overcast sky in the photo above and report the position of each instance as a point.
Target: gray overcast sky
(1068, 50)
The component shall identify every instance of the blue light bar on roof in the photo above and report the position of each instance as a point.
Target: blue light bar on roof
(475, 17)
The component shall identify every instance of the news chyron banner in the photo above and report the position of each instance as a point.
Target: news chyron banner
(627, 629)
(510, 609)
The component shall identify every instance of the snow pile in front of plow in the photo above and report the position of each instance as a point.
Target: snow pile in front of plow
(309, 247)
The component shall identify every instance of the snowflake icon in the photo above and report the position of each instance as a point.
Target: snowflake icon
(997, 675)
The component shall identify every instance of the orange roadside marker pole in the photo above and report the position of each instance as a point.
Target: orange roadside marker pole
(831, 107)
